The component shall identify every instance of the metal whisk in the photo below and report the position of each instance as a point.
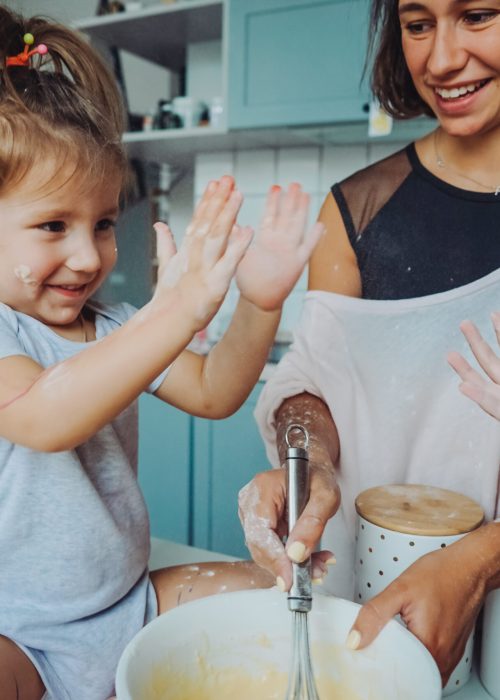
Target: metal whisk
(301, 685)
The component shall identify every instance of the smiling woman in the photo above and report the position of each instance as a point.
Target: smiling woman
(411, 249)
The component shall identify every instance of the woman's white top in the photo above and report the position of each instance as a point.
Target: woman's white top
(380, 366)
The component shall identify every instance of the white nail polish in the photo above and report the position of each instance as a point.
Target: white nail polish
(296, 552)
(280, 583)
(353, 640)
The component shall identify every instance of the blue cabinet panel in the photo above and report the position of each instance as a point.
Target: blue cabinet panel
(227, 454)
(165, 467)
(296, 62)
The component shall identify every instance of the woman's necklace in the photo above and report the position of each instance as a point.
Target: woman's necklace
(441, 164)
(84, 330)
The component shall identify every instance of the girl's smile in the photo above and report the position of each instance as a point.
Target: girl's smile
(57, 245)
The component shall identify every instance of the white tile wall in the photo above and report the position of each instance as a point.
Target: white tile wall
(255, 171)
(317, 169)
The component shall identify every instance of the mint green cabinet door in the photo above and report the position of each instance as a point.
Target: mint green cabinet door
(293, 62)
(227, 454)
(165, 467)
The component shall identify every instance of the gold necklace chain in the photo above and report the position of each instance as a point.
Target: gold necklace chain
(442, 164)
(82, 324)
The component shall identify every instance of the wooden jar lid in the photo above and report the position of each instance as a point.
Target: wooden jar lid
(419, 510)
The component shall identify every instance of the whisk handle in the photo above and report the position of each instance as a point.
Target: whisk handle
(297, 466)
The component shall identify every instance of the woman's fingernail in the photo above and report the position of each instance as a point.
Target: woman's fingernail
(353, 640)
(331, 561)
(281, 584)
(297, 552)
(318, 572)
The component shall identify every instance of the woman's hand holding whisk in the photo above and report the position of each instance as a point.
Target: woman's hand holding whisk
(262, 502)
(262, 510)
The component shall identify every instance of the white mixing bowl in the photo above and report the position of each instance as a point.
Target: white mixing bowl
(237, 646)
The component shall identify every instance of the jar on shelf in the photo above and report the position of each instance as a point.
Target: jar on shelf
(216, 111)
(399, 523)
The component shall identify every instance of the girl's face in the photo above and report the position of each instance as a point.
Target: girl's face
(452, 49)
(57, 244)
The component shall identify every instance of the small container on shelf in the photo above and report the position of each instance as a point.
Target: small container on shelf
(216, 111)
(188, 109)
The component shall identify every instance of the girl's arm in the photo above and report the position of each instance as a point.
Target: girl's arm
(216, 385)
(60, 407)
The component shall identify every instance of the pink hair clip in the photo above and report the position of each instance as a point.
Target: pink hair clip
(22, 59)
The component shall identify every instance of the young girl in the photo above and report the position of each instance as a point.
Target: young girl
(74, 537)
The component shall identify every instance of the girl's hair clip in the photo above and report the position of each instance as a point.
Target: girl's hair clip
(22, 59)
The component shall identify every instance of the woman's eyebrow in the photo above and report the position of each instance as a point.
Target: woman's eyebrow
(418, 6)
(410, 7)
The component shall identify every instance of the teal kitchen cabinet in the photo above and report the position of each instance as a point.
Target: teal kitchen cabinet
(227, 454)
(165, 435)
(295, 62)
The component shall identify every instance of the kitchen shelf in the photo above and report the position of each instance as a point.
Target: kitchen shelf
(180, 146)
(159, 33)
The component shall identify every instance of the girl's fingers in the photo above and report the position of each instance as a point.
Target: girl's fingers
(205, 198)
(212, 203)
(237, 245)
(222, 226)
(165, 244)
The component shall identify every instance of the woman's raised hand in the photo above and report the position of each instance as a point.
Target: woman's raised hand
(201, 270)
(485, 391)
(274, 261)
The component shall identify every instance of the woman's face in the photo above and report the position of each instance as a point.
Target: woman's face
(452, 49)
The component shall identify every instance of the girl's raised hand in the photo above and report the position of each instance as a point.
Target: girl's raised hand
(486, 393)
(275, 260)
(201, 270)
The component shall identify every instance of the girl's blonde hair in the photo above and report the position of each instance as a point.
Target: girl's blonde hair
(64, 106)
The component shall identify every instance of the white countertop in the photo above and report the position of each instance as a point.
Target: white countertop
(167, 553)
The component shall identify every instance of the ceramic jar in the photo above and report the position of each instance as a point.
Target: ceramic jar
(397, 524)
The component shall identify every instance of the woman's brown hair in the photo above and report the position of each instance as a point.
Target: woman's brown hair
(64, 105)
(391, 81)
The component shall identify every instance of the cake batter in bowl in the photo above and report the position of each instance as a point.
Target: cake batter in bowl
(237, 646)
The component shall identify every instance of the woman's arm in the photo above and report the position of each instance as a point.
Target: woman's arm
(262, 503)
(438, 597)
(333, 267)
